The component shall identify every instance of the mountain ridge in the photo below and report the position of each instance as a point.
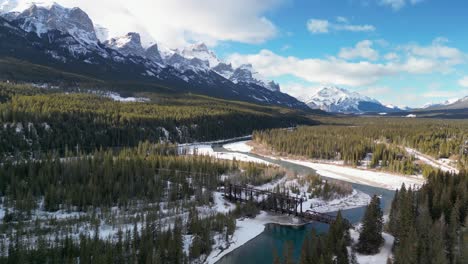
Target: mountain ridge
(62, 45)
(339, 100)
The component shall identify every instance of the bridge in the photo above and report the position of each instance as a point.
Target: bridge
(276, 202)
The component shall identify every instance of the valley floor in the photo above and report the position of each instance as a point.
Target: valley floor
(361, 176)
(247, 229)
(335, 170)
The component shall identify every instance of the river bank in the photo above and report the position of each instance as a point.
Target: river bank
(249, 228)
(336, 169)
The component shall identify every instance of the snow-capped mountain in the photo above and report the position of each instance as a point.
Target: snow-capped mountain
(200, 51)
(67, 40)
(130, 44)
(73, 21)
(153, 53)
(448, 104)
(245, 74)
(445, 103)
(339, 100)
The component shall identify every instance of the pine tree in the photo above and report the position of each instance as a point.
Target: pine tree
(370, 238)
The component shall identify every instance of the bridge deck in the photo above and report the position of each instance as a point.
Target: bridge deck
(276, 202)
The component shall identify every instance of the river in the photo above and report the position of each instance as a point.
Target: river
(260, 249)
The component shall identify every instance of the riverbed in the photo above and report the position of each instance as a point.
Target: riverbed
(261, 248)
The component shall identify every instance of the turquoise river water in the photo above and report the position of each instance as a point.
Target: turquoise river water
(260, 249)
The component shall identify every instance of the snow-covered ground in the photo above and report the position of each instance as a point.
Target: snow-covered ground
(355, 200)
(367, 177)
(379, 258)
(206, 149)
(247, 228)
(238, 146)
(117, 97)
(441, 164)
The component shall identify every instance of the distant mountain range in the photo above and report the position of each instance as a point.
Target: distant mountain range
(340, 100)
(449, 104)
(67, 40)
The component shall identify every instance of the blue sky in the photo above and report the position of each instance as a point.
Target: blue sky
(403, 52)
(420, 46)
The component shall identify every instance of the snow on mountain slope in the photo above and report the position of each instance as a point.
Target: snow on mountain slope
(445, 103)
(67, 38)
(74, 21)
(335, 99)
(449, 104)
(196, 53)
(130, 44)
(102, 33)
(154, 54)
(200, 51)
(245, 74)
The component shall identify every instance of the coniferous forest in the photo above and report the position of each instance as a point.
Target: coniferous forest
(154, 195)
(87, 179)
(37, 120)
(378, 143)
(429, 224)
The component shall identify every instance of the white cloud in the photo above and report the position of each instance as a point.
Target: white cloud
(463, 81)
(339, 71)
(398, 4)
(449, 94)
(392, 56)
(177, 22)
(355, 28)
(318, 26)
(332, 70)
(300, 90)
(285, 47)
(362, 49)
(435, 56)
(341, 19)
(376, 91)
(436, 51)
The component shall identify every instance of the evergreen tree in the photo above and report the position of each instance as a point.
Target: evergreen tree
(370, 238)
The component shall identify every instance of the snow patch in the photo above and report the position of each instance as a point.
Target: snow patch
(366, 177)
(442, 164)
(379, 258)
(239, 146)
(117, 97)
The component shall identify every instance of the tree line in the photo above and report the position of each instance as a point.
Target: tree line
(35, 120)
(429, 224)
(383, 139)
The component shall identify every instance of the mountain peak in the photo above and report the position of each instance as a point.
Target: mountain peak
(43, 18)
(153, 53)
(445, 103)
(129, 44)
(201, 51)
(198, 47)
(336, 99)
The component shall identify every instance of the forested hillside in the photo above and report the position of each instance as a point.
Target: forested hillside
(385, 139)
(37, 119)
